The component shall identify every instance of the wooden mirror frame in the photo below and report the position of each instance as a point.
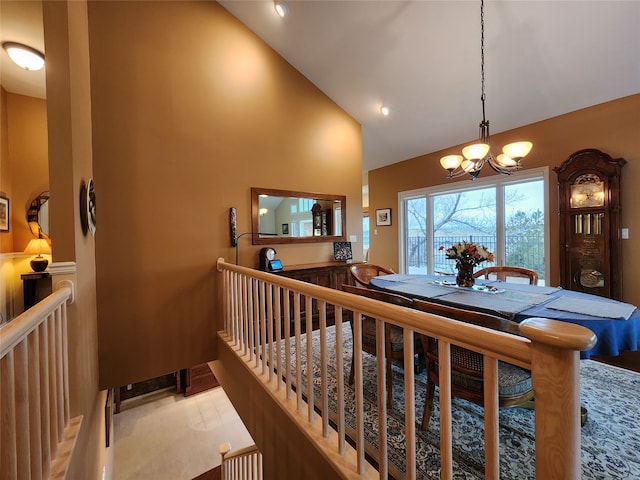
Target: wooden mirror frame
(257, 239)
(34, 213)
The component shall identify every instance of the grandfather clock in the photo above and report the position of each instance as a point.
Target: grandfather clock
(589, 201)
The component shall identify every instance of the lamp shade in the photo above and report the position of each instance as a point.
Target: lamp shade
(451, 162)
(477, 151)
(38, 246)
(505, 161)
(517, 150)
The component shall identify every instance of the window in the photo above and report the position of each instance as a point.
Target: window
(365, 234)
(506, 214)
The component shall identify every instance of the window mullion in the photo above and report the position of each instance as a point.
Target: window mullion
(500, 253)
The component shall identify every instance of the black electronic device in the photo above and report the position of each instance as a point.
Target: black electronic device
(268, 260)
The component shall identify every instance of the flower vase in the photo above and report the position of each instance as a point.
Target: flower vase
(465, 274)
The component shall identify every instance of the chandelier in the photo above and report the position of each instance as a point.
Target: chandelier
(475, 156)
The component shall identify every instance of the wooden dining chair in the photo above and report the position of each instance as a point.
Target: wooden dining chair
(362, 273)
(467, 371)
(394, 345)
(504, 273)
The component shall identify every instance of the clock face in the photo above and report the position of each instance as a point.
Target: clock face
(270, 253)
(587, 191)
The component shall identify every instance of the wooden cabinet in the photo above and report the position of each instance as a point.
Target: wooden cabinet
(327, 274)
(198, 379)
(589, 209)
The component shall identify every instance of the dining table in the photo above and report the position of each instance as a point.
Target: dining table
(616, 324)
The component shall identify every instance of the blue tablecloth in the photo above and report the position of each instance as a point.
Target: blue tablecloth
(519, 302)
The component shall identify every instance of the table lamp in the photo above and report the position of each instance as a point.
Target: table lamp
(38, 246)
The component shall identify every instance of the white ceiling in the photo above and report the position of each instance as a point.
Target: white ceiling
(21, 21)
(422, 59)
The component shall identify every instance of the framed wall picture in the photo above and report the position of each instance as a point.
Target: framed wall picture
(4, 214)
(383, 217)
(285, 229)
(342, 251)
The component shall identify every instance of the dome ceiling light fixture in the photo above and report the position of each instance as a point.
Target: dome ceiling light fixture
(24, 56)
(475, 156)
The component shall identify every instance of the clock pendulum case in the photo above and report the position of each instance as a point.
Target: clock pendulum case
(589, 223)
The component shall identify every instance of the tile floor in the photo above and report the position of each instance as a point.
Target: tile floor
(165, 436)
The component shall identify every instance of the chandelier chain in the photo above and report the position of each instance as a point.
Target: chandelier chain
(482, 97)
(475, 156)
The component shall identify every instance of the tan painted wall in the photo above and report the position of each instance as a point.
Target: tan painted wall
(612, 127)
(185, 121)
(287, 453)
(28, 159)
(70, 163)
(24, 173)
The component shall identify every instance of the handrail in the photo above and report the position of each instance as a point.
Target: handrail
(37, 434)
(256, 301)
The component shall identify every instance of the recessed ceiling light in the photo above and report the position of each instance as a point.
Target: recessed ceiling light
(24, 56)
(384, 110)
(281, 8)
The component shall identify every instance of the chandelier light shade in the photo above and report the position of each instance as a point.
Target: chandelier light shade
(24, 56)
(475, 156)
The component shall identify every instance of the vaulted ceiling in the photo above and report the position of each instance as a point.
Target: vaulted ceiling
(422, 60)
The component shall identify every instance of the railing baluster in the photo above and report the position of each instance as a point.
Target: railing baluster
(357, 365)
(287, 344)
(263, 326)
(45, 405)
(491, 404)
(340, 380)
(296, 327)
(53, 381)
(324, 380)
(381, 355)
(269, 326)
(35, 426)
(8, 452)
(409, 404)
(310, 387)
(59, 374)
(278, 322)
(21, 367)
(444, 374)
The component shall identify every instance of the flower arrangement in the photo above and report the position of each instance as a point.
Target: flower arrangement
(469, 253)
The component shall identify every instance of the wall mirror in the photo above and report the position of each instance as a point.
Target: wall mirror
(286, 216)
(38, 215)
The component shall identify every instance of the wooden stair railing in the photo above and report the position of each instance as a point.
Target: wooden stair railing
(255, 302)
(242, 464)
(37, 434)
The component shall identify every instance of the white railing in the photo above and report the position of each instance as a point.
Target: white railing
(37, 433)
(243, 464)
(256, 301)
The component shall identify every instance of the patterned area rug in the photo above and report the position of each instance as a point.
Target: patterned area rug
(610, 438)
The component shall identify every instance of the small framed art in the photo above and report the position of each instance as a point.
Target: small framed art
(285, 229)
(342, 251)
(4, 214)
(383, 217)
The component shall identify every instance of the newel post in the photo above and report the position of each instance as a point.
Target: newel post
(555, 374)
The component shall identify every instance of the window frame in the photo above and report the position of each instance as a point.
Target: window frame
(497, 181)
